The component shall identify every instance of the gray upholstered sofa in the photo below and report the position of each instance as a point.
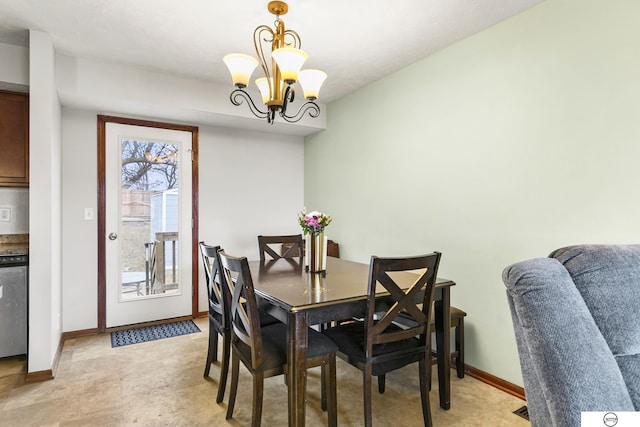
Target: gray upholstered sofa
(576, 316)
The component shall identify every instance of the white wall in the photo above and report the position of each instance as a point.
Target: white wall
(80, 236)
(511, 143)
(14, 68)
(45, 199)
(250, 183)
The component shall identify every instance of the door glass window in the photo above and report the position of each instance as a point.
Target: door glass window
(149, 219)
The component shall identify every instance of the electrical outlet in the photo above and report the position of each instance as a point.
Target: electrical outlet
(5, 214)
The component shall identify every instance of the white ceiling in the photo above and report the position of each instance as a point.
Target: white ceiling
(356, 41)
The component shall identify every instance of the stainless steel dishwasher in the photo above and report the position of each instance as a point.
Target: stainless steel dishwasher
(13, 304)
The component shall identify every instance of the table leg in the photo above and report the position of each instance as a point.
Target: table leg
(297, 372)
(443, 331)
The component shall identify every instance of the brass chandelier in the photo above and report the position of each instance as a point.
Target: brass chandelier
(276, 86)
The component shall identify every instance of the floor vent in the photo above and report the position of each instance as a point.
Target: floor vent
(522, 412)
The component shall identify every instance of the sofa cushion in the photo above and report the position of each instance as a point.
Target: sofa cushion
(630, 368)
(608, 278)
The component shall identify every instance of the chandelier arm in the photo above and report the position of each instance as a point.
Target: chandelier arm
(257, 44)
(310, 106)
(238, 95)
(296, 39)
(289, 95)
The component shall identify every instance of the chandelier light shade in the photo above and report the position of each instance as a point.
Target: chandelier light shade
(280, 73)
(311, 80)
(264, 85)
(241, 67)
(289, 61)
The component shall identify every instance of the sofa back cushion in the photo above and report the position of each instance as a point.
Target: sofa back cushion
(608, 278)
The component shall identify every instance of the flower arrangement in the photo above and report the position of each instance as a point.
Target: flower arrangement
(313, 222)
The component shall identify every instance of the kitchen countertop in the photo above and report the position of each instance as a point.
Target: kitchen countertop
(14, 244)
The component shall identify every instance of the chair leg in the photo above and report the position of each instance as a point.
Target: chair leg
(258, 388)
(332, 399)
(460, 348)
(323, 387)
(429, 371)
(381, 383)
(366, 387)
(212, 351)
(424, 366)
(433, 353)
(235, 367)
(224, 368)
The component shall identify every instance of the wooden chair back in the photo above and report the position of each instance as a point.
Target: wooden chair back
(290, 247)
(414, 301)
(244, 315)
(216, 293)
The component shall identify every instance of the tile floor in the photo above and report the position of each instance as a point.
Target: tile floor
(160, 383)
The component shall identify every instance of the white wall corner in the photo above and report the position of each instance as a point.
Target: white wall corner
(45, 191)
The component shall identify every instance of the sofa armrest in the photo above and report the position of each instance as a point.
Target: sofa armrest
(567, 365)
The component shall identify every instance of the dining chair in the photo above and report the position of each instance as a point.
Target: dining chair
(290, 247)
(218, 317)
(263, 349)
(333, 249)
(377, 345)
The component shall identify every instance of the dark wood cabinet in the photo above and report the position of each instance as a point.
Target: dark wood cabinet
(14, 139)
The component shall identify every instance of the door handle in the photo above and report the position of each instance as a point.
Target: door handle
(113, 236)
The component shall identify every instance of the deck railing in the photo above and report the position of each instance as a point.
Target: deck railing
(160, 276)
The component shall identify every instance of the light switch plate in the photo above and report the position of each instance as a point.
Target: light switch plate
(88, 214)
(5, 214)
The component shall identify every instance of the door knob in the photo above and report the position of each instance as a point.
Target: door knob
(113, 236)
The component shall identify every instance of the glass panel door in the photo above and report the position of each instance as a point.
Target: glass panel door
(148, 224)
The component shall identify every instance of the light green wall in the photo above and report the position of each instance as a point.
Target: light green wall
(509, 144)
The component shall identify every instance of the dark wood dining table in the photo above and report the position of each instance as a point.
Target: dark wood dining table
(301, 299)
